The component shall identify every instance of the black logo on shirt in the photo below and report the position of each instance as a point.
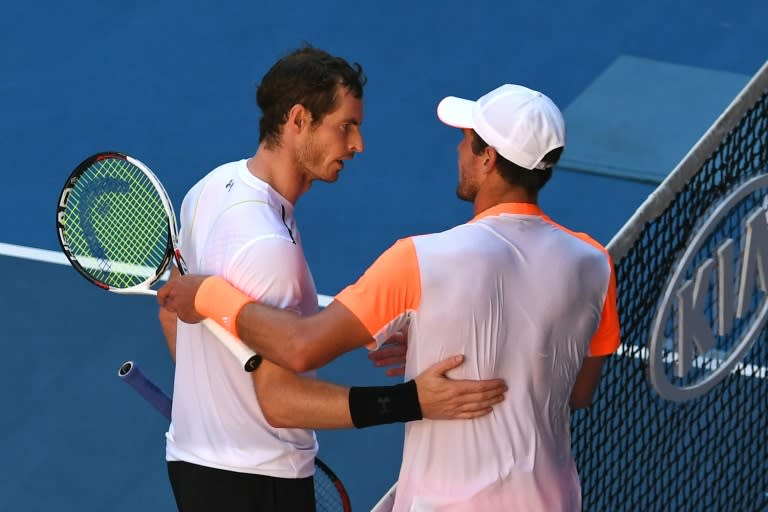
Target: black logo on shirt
(229, 185)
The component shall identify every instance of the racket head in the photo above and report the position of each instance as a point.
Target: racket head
(115, 222)
(330, 494)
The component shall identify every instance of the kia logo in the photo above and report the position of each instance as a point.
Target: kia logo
(711, 302)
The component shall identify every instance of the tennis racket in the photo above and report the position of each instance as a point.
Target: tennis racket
(330, 494)
(117, 227)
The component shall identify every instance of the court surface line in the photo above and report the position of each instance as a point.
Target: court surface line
(55, 257)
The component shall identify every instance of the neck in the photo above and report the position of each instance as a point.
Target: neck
(278, 168)
(488, 197)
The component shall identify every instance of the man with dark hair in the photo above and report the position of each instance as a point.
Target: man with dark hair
(521, 296)
(224, 448)
(304, 78)
(532, 182)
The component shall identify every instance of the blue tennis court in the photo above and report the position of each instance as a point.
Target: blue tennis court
(173, 83)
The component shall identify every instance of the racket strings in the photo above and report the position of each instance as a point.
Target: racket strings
(116, 224)
(326, 495)
(330, 495)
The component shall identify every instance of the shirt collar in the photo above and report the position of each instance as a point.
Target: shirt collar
(511, 208)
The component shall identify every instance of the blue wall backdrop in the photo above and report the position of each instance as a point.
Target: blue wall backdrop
(173, 83)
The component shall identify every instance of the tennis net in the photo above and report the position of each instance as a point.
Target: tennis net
(680, 420)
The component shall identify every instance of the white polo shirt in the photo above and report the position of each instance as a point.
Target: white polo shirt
(237, 226)
(523, 299)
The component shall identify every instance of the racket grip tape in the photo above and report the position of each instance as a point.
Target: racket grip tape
(134, 377)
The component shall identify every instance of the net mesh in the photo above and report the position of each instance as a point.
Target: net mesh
(115, 224)
(638, 451)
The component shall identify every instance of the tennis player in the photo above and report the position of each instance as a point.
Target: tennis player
(223, 450)
(524, 298)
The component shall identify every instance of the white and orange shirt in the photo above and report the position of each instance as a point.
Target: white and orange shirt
(237, 226)
(523, 299)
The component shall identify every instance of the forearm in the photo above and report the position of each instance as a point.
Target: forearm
(292, 401)
(586, 383)
(280, 336)
(168, 322)
(300, 343)
(294, 342)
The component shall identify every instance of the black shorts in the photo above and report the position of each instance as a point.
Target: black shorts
(202, 489)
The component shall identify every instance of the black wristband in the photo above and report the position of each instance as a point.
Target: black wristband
(378, 405)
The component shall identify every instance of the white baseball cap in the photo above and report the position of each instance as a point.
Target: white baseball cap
(523, 125)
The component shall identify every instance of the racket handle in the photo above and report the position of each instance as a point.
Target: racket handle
(133, 376)
(387, 501)
(247, 357)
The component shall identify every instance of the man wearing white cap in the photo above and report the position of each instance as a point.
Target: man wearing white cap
(522, 298)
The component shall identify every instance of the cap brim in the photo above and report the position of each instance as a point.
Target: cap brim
(456, 112)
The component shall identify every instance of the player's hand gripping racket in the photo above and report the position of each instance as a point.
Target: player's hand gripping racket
(330, 494)
(117, 227)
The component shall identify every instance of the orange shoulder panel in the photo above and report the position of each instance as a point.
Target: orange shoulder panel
(606, 339)
(389, 288)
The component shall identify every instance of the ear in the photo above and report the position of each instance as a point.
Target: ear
(299, 119)
(489, 159)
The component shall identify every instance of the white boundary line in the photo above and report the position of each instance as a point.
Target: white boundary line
(30, 253)
(57, 258)
(643, 353)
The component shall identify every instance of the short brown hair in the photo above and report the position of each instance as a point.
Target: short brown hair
(531, 180)
(309, 77)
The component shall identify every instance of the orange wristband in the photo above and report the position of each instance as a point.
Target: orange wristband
(220, 301)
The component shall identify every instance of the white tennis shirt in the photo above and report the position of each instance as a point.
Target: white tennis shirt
(237, 226)
(523, 299)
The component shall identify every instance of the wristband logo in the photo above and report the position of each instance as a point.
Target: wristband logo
(715, 305)
(383, 405)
